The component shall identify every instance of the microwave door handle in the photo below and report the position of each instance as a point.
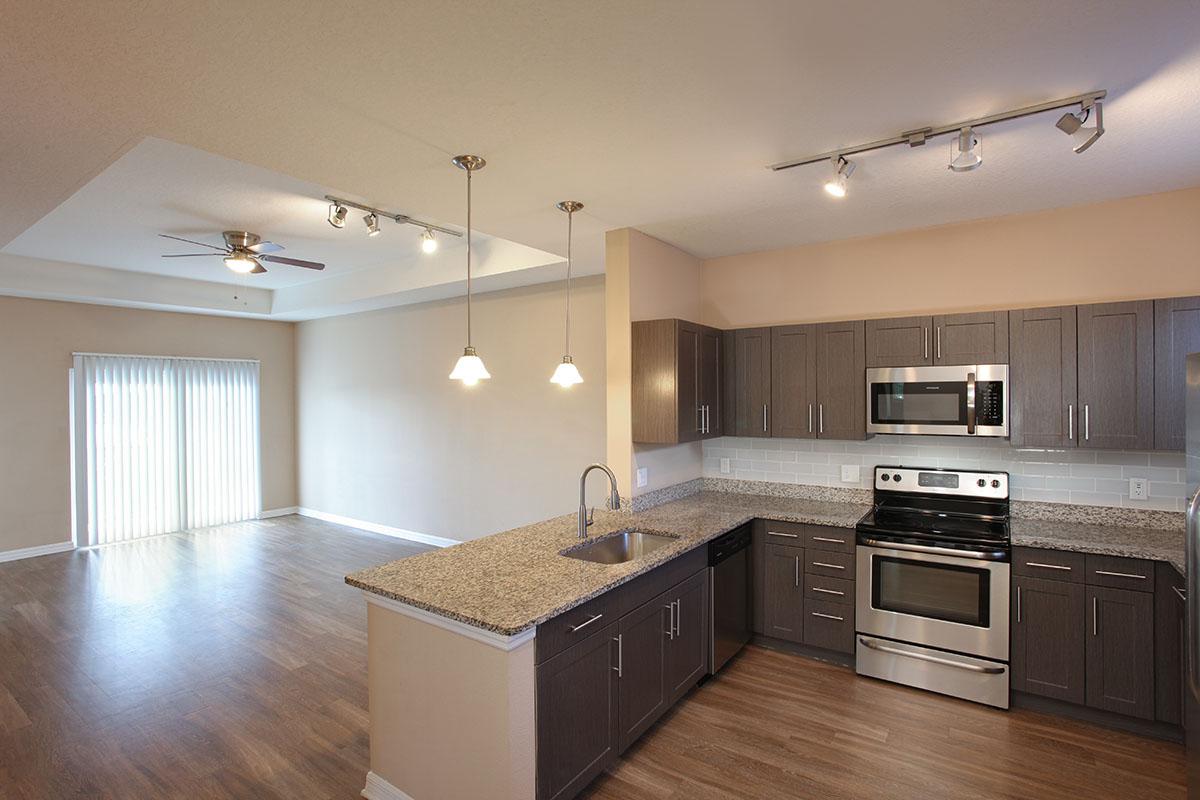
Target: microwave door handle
(970, 403)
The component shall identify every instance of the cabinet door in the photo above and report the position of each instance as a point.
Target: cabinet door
(1176, 334)
(687, 648)
(1120, 651)
(900, 342)
(642, 654)
(1169, 637)
(687, 381)
(980, 338)
(841, 380)
(710, 382)
(753, 370)
(758, 577)
(728, 383)
(1043, 393)
(783, 602)
(576, 715)
(793, 381)
(1116, 375)
(1047, 638)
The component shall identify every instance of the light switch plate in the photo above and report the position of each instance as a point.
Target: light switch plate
(851, 473)
(725, 469)
(1139, 488)
(643, 476)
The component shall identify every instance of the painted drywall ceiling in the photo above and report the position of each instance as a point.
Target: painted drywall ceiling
(657, 115)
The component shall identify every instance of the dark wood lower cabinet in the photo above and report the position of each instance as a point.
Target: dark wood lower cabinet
(783, 601)
(1047, 646)
(1170, 613)
(687, 646)
(1120, 651)
(641, 679)
(577, 720)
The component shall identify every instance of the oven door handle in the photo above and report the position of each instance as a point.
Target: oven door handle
(934, 659)
(978, 555)
(970, 403)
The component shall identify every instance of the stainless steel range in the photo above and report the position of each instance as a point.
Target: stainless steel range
(933, 582)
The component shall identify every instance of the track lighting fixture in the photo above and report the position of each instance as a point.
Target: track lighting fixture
(337, 215)
(372, 222)
(1072, 125)
(966, 153)
(469, 368)
(842, 170)
(428, 243)
(240, 263)
(567, 374)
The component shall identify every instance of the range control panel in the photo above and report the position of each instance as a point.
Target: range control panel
(958, 483)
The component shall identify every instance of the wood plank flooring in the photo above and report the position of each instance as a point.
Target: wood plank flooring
(231, 663)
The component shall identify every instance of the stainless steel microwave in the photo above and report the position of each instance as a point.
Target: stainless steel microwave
(939, 401)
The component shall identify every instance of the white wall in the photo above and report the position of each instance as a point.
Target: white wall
(384, 436)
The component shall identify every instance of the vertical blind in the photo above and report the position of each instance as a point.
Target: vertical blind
(167, 444)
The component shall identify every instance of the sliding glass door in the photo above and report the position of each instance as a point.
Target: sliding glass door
(163, 444)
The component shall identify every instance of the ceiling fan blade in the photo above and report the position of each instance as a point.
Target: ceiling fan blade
(259, 269)
(294, 262)
(190, 255)
(189, 241)
(265, 247)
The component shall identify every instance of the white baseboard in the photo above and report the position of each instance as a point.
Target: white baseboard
(375, 527)
(379, 789)
(267, 513)
(31, 552)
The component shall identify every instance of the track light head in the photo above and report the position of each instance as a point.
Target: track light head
(428, 243)
(842, 170)
(337, 215)
(1073, 125)
(372, 222)
(966, 153)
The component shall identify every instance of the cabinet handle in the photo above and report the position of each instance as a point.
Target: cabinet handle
(828, 591)
(620, 667)
(700, 414)
(925, 339)
(1087, 422)
(1095, 615)
(1018, 604)
(582, 625)
(707, 417)
(1120, 574)
(826, 539)
(670, 607)
(784, 535)
(764, 417)
(1182, 594)
(797, 572)
(810, 417)
(827, 566)
(826, 616)
(677, 616)
(1070, 422)
(939, 341)
(820, 417)
(1062, 567)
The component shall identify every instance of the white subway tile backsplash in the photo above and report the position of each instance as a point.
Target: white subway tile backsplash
(1095, 471)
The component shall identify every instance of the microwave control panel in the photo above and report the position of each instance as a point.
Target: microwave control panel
(989, 403)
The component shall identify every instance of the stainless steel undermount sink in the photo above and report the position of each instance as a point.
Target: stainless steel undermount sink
(619, 547)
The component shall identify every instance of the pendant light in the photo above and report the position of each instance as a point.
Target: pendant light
(567, 374)
(469, 369)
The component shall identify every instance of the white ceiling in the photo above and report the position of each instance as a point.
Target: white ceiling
(660, 116)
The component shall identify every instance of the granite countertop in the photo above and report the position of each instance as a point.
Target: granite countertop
(1157, 544)
(512, 581)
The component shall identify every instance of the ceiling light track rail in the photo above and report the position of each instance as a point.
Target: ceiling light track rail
(919, 137)
(402, 219)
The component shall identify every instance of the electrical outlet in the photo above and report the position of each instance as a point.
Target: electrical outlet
(851, 473)
(643, 476)
(1139, 488)
(725, 469)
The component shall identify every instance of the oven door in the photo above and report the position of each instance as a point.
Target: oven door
(924, 595)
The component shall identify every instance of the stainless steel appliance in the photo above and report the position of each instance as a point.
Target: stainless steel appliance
(1191, 691)
(729, 596)
(933, 582)
(942, 401)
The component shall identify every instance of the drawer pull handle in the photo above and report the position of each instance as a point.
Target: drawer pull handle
(1120, 574)
(582, 625)
(784, 535)
(827, 616)
(840, 594)
(1062, 567)
(825, 539)
(827, 566)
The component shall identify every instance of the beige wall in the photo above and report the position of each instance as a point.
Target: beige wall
(385, 436)
(37, 338)
(1138, 247)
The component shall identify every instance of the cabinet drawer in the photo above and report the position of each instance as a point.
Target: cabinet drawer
(1058, 565)
(829, 590)
(790, 533)
(840, 540)
(574, 626)
(830, 564)
(1120, 573)
(829, 625)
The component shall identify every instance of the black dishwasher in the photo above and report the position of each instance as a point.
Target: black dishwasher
(729, 595)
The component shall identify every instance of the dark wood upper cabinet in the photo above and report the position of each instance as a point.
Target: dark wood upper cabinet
(794, 381)
(728, 382)
(687, 646)
(577, 715)
(642, 658)
(1120, 651)
(979, 338)
(711, 399)
(676, 381)
(1044, 396)
(752, 367)
(1116, 375)
(1170, 636)
(1047, 647)
(841, 380)
(899, 342)
(783, 600)
(1176, 334)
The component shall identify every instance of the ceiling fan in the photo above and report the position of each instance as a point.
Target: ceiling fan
(244, 252)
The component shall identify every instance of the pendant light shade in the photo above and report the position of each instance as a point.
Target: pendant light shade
(469, 369)
(566, 374)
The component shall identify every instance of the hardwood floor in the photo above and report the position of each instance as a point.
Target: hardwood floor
(776, 726)
(231, 663)
(225, 663)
